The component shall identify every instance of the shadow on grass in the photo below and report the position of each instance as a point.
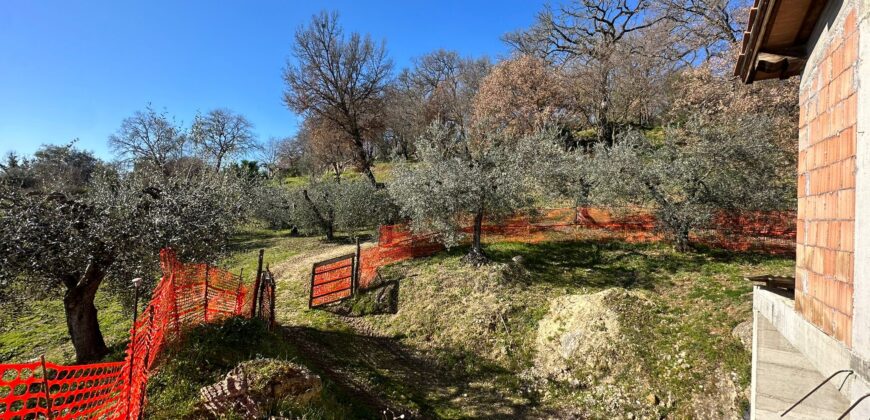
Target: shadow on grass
(382, 374)
(613, 263)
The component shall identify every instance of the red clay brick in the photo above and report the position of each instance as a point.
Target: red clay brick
(847, 236)
(851, 111)
(837, 56)
(847, 173)
(850, 49)
(844, 298)
(851, 23)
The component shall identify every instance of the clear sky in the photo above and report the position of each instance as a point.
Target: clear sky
(74, 69)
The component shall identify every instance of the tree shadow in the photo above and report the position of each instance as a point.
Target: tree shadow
(381, 298)
(614, 263)
(381, 373)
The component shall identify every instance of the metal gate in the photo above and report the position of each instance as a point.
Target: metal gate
(333, 280)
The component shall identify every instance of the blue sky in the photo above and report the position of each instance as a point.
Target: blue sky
(74, 69)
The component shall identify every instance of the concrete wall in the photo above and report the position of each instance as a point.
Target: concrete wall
(826, 174)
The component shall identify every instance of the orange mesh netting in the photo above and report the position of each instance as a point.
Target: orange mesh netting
(772, 232)
(187, 295)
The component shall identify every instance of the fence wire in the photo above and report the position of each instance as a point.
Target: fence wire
(187, 295)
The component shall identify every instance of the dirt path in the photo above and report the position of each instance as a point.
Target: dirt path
(380, 375)
(337, 352)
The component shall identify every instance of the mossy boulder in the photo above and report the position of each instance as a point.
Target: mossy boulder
(254, 388)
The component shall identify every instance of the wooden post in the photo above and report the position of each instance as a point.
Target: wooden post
(205, 295)
(273, 295)
(45, 385)
(311, 291)
(257, 283)
(239, 302)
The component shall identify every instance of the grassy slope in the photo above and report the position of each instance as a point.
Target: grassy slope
(208, 353)
(478, 332)
(38, 326)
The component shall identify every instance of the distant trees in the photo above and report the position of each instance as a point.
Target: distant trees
(589, 37)
(221, 134)
(149, 137)
(328, 147)
(340, 80)
(520, 95)
(692, 174)
(440, 86)
(324, 207)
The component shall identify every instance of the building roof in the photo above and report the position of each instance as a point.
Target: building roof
(775, 41)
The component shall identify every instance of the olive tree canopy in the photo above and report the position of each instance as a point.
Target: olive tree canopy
(462, 179)
(110, 230)
(691, 175)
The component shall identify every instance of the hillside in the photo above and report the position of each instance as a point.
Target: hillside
(652, 332)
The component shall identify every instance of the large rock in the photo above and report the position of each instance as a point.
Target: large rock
(580, 339)
(252, 387)
(743, 332)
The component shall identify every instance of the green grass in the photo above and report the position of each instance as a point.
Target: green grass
(478, 326)
(383, 172)
(278, 245)
(38, 327)
(205, 356)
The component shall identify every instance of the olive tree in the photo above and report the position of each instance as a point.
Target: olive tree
(109, 232)
(324, 207)
(484, 174)
(691, 175)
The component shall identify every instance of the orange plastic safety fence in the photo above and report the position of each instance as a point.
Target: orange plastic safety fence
(187, 295)
(772, 232)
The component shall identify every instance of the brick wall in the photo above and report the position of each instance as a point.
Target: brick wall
(826, 182)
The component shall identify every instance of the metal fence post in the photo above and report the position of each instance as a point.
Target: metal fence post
(274, 293)
(142, 389)
(45, 385)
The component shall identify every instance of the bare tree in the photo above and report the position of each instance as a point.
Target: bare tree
(707, 26)
(591, 35)
(221, 134)
(328, 147)
(439, 87)
(341, 80)
(520, 96)
(149, 136)
(269, 154)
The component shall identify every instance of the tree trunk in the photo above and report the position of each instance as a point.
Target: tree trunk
(330, 232)
(362, 158)
(371, 176)
(682, 241)
(476, 256)
(81, 318)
